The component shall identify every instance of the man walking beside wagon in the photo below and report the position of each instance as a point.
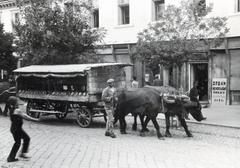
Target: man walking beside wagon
(109, 98)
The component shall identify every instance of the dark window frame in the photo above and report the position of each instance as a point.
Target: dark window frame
(14, 19)
(96, 18)
(157, 11)
(238, 5)
(125, 14)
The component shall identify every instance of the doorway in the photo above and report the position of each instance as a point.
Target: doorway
(199, 72)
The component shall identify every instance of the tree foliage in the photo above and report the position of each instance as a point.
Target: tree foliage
(181, 34)
(53, 32)
(8, 62)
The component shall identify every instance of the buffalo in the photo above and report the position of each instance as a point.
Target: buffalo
(149, 101)
(172, 110)
(138, 101)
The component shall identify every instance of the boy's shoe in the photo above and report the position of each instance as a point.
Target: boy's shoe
(12, 159)
(112, 135)
(24, 156)
(107, 133)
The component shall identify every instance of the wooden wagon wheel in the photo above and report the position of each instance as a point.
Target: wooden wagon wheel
(84, 117)
(63, 107)
(32, 114)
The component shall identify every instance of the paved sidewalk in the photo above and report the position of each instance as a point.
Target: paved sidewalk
(222, 115)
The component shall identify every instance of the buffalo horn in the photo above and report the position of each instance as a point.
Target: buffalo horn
(190, 104)
(168, 101)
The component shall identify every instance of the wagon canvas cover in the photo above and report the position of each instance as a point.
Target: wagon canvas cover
(72, 82)
(69, 70)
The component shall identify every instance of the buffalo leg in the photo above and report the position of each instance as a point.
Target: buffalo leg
(123, 125)
(183, 122)
(167, 120)
(144, 126)
(142, 123)
(159, 135)
(134, 126)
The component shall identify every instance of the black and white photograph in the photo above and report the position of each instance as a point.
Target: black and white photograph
(119, 84)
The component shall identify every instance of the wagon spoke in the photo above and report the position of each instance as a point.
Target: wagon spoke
(84, 117)
(32, 114)
(63, 107)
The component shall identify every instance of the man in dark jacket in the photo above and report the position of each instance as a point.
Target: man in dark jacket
(194, 96)
(157, 81)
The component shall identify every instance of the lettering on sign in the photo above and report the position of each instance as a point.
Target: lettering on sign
(219, 90)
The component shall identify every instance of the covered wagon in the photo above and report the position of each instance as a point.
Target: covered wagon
(60, 89)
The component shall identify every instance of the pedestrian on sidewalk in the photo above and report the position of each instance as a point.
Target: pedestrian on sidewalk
(135, 83)
(157, 81)
(109, 98)
(16, 117)
(194, 97)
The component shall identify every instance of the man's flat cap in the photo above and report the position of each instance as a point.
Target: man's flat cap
(110, 81)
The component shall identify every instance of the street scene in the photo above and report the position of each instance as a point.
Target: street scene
(119, 84)
(62, 143)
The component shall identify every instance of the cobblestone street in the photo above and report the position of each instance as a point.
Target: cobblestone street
(71, 70)
(62, 143)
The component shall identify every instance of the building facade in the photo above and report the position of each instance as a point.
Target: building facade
(218, 75)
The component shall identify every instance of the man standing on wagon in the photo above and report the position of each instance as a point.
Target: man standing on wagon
(109, 98)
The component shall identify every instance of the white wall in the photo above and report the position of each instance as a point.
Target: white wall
(6, 18)
(234, 25)
(229, 9)
(221, 7)
(140, 16)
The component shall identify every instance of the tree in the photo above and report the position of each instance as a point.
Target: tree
(53, 32)
(181, 34)
(8, 61)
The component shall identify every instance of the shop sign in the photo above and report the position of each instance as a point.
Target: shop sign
(219, 86)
